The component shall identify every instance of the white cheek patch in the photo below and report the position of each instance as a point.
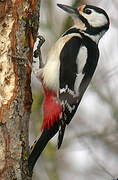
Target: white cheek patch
(95, 19)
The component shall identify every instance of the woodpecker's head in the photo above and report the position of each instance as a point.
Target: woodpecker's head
(88, 18)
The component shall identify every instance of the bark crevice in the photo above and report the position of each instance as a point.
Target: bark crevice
(17, 36)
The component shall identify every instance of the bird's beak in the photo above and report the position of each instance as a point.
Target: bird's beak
(68, 9)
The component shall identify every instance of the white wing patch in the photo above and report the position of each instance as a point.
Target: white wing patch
(77, 83)
(81, 58)
(68, 102)
(81, 61)
(69, 107)
(67, 90)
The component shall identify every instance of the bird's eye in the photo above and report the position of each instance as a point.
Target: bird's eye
(87, 11)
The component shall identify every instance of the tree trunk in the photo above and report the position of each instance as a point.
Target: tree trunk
(18, 30)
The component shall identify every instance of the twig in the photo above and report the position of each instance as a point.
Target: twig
(100, 164)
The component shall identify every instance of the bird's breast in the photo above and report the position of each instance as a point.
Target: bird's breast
(51, 72)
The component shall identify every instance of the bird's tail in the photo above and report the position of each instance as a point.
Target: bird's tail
(40, 145)
(61, 133)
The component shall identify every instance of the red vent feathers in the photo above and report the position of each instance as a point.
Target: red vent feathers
(51, 109)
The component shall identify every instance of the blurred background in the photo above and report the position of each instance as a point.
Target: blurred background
(90, 147)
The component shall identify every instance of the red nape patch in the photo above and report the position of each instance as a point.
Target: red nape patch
(51, 109)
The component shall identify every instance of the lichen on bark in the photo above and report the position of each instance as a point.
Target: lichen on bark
(16, 47)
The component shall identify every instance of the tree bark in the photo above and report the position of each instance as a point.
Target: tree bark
(19, 20)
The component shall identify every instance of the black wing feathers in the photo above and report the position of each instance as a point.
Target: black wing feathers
(91, 63)
(68, 66)
(68, 74)
(61, 133)
(93, 55)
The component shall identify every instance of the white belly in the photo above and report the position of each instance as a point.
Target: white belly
(51, 69)
(51, 75)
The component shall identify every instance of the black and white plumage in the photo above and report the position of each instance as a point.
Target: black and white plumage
(79, 57)
(69, 68)
(74, 74)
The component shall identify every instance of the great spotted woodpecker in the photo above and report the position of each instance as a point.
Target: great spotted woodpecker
(69, 68)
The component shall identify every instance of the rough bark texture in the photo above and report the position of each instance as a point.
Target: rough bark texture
(18, 30)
